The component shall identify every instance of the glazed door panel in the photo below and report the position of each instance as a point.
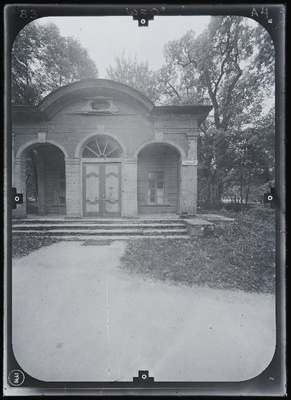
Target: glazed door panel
(102, 189)
(112, 189)
(92, 189)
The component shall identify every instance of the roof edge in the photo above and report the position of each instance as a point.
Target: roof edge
(199, 110)
(51, 103)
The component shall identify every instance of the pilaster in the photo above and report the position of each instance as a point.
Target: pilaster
(73, 188)
(129, 189)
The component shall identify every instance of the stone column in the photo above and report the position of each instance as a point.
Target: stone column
(192, 146)
(192, 190)
(129, 188)
(73, 188)
(41, 181)
(192, 173)
(183, 190)
(19, 184)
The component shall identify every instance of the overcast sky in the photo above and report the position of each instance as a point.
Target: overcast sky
(107, 37)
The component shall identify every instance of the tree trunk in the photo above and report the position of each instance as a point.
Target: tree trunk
(241, 192)
(248, 185)
(214, 198)
(207, 193)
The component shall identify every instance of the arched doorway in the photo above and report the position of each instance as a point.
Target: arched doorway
(158, 178)
(45, 180)
(101, 159)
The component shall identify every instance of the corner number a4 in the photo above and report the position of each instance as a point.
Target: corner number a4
(264, 10)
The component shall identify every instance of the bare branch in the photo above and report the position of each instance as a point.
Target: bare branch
(174, 90)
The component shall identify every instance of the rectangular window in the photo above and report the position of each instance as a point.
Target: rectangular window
(156, 187)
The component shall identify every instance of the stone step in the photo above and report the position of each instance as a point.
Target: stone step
(83, 238)
(97, 226)
(61, 232)
(113, 227)
(95, 221)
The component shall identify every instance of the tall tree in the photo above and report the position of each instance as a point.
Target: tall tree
(137, 75)
(43, 60)
(223, 65)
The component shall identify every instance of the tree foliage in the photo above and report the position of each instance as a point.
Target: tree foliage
(43, 60)
(228, 67)
(223, 65)
(137, 75)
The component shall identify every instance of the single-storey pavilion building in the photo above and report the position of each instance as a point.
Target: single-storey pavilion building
(104, 150)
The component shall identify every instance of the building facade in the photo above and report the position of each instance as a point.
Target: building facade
(101, 149)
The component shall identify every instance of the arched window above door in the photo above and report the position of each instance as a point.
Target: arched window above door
(102, 146)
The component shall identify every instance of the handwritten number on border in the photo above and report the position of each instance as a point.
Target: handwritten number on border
(143, 11)
(28, 14)
(263, 11)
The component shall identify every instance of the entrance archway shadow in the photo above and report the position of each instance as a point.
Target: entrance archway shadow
(158, 179)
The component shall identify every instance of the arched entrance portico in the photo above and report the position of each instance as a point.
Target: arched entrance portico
(101, 177)
(102, 149)
(158, 179)
(40, 172)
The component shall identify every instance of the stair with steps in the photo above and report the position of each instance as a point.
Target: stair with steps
(102, 229)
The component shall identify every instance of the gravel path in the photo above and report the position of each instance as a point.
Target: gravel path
(78, 317)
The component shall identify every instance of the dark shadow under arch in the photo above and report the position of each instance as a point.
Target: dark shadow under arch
(158, 179)
(45, 180)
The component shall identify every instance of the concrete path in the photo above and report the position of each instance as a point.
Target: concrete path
(78, 317)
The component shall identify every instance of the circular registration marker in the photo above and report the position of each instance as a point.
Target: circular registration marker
(16, 377)
(142, 21)
(16, 198)
(144, 376)
(270, 198)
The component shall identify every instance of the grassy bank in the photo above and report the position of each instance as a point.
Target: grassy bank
(25, 244)
(240, 255)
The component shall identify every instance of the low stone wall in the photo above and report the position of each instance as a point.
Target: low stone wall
(198, 227)
(205, 225)
(215, 218)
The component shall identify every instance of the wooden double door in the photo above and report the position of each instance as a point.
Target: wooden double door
(102, 189)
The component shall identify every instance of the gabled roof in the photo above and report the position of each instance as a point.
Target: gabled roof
(72, 92)
(94, 88)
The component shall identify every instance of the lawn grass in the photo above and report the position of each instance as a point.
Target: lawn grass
(22, 245)
(238, 256)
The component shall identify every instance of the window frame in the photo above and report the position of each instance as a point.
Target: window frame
(148, 188)
(102, 151)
